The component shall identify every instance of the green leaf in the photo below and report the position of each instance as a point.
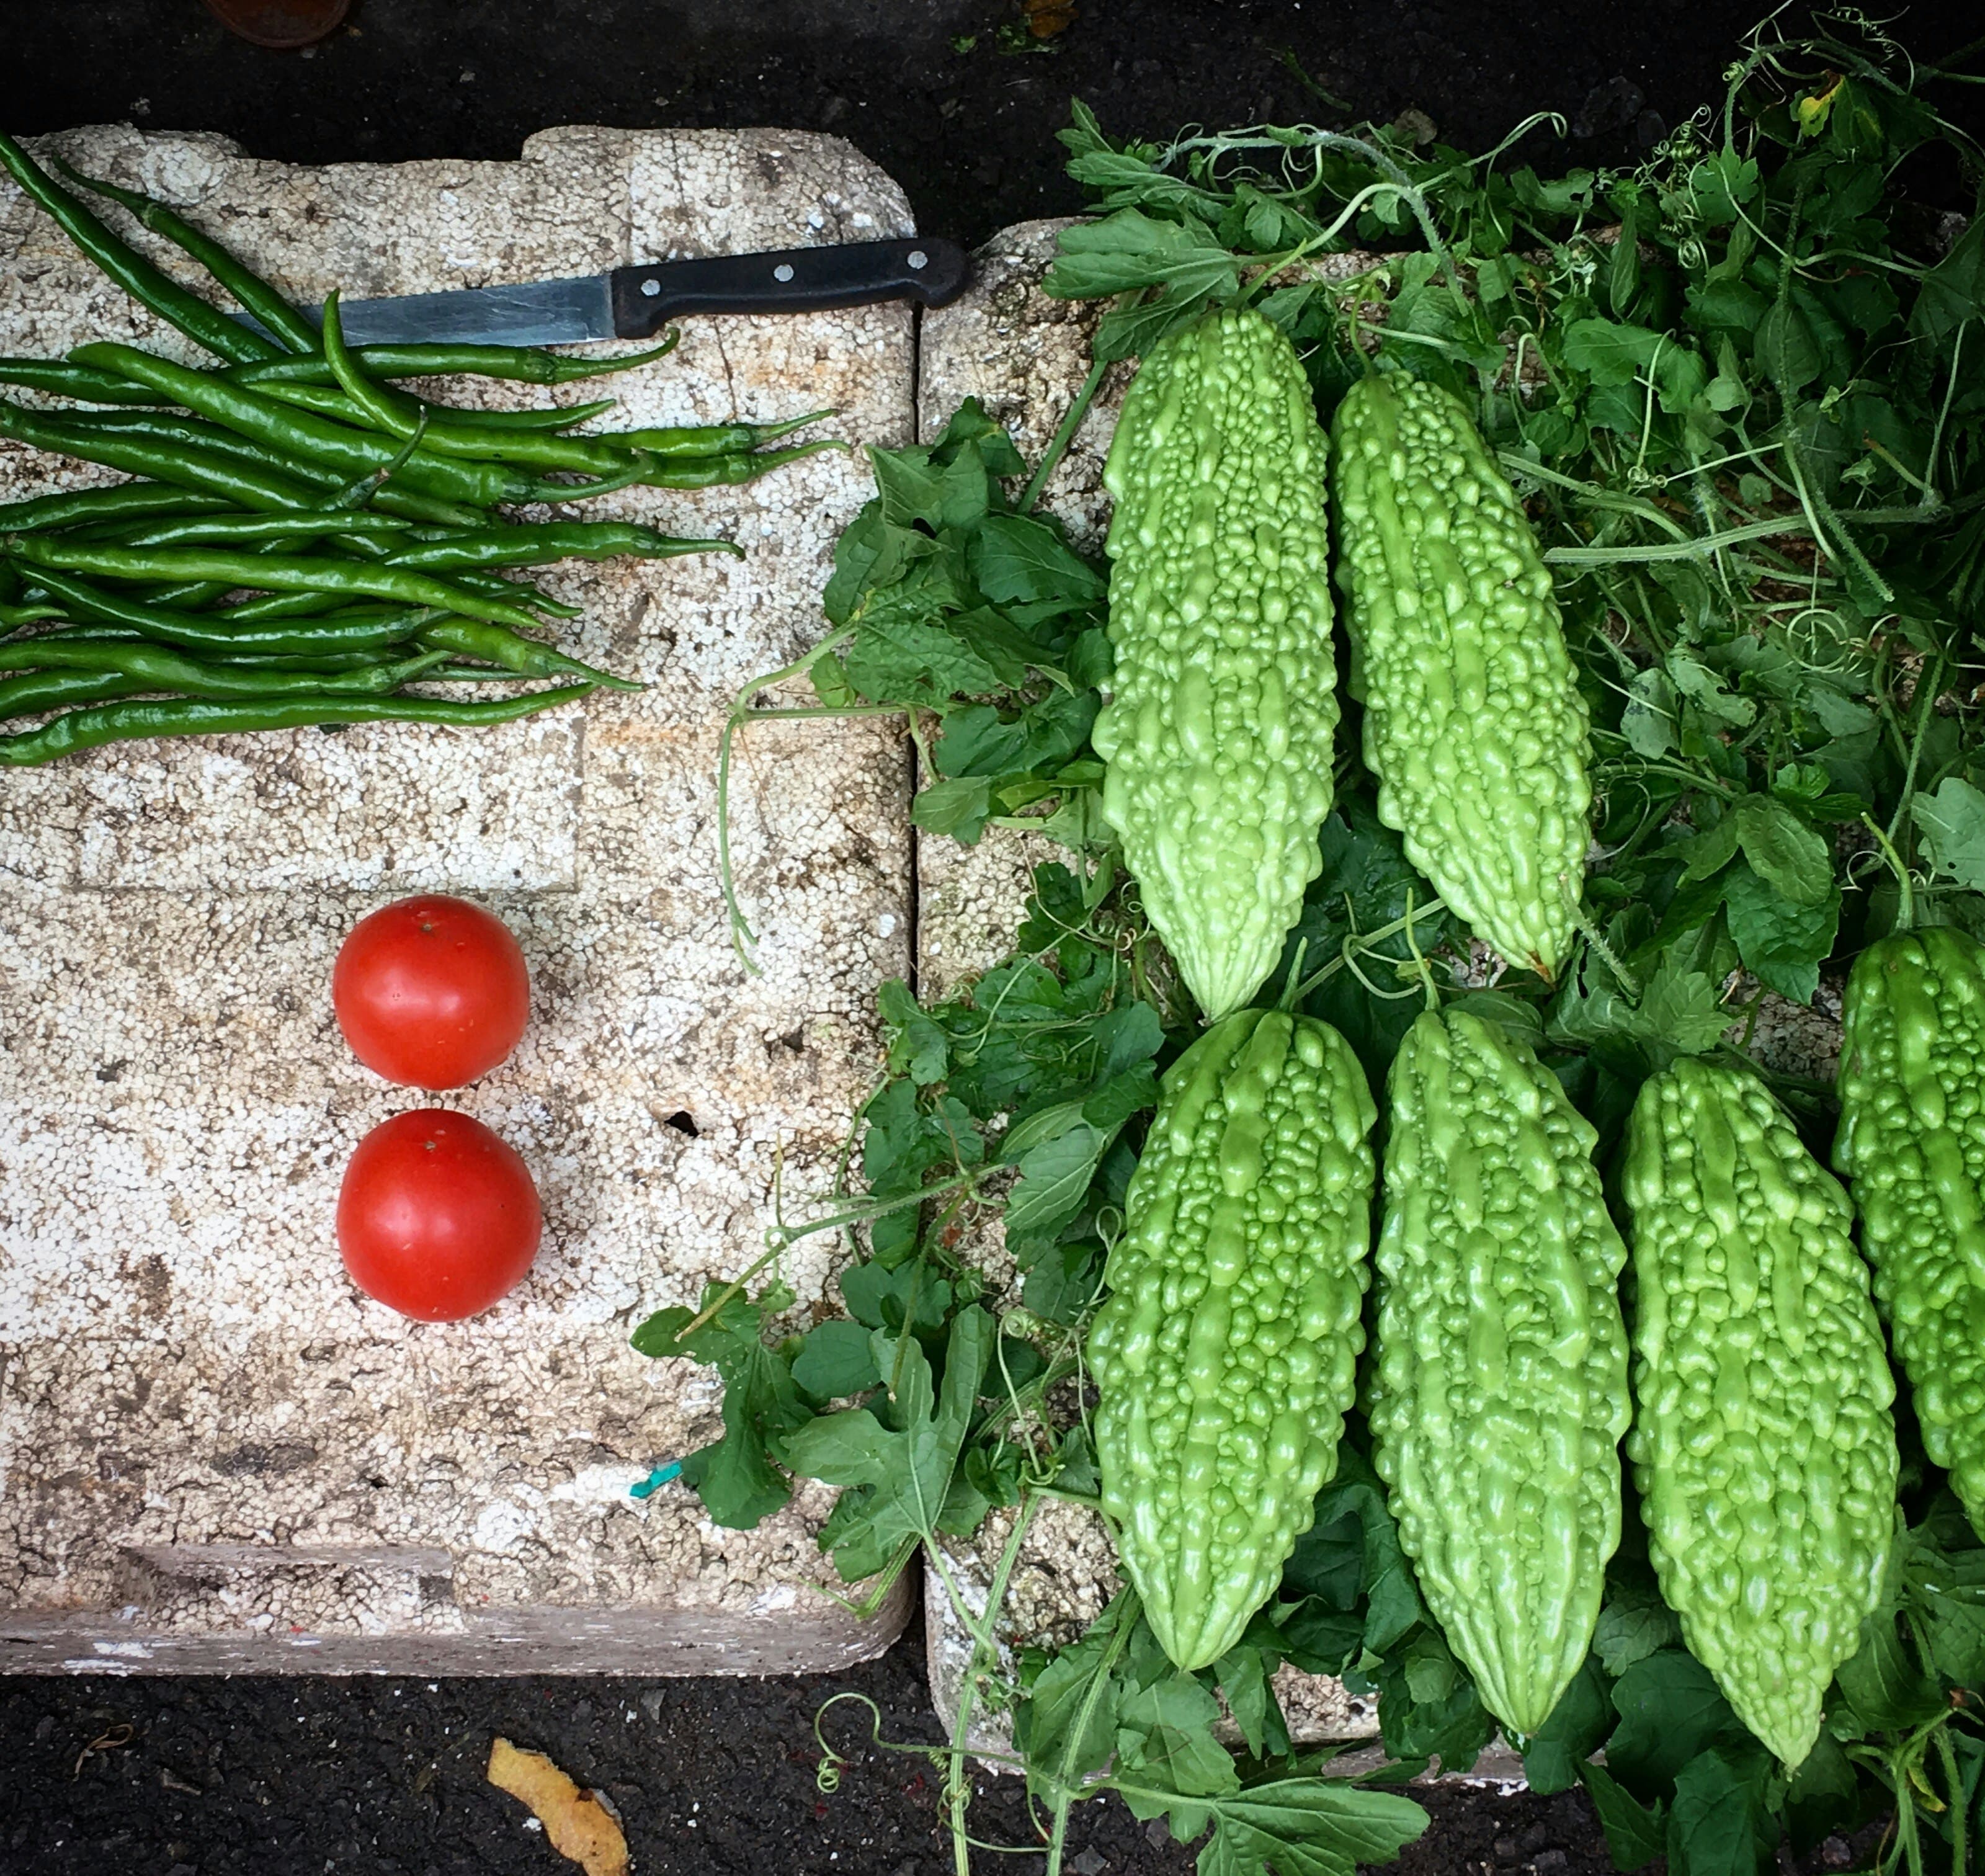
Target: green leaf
(1787, 352)
(1308, 1827)
(1648, 721)
(1167, 1756)
(1243, 1673)
(895, 1477)
(1428, 1705)
(1576, 1729)
(958, 807)
(1634, 1833)
(1046, 1723)
(918, 1046)
(733, 1475)
(1784, 851)
(1384, 1579)
(1782, 944)
(1952, 824)
(1706, 690)
(1824, 1797)
(1682, 1007)
(1609, 352)
(1017, 558)
(1670, 1710)
(1129, 249)
(902, 650)
(836, 1360)
(1719, 1824)
(1633, 1623)
(1882, 1684)
(1054, 1179)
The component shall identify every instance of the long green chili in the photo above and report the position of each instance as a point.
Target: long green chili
(207, 325)
(92, 726)
(282, 321)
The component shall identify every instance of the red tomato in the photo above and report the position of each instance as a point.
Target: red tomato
(437, 1217)
(432, 991)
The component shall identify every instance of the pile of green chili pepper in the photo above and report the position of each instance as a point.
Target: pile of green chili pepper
(301, 539)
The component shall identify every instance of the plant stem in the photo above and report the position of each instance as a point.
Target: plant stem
(1129, 1608)
(1906, 908)
(1927, 681)
(1058, 444)
(984, 1631)
(1955, 1785)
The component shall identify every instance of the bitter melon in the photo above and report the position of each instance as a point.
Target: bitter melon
(1500, 1392)
(1226, 1355)
(1762, 1444)
(1216, 739)
(1473, 722)
(1911, 1139)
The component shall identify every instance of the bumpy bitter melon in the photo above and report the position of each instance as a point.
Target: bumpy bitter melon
(1500, 1390)
(1217, 736)
(1473, 723)
(1761, 1443)
(1227, 1353)
(1911, 1139)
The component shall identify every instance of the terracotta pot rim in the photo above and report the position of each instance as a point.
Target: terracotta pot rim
(280, 26)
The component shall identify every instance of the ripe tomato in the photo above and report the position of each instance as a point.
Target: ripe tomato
(431, 991)
(437, 1218)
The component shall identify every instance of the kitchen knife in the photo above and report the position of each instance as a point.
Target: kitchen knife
(636, 302)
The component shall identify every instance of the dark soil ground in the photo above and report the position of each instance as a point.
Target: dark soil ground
(927, 87)
(377, 1778)
(373, 1776)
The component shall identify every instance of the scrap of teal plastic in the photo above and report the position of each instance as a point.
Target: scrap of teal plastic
(657, 1480)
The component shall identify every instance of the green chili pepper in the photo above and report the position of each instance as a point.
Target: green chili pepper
(75, 380)
(264, 572)
(221, 530)
(33, 692)
(13, 617)
(188, 454)
(716, 472)
(160, 668)
(714, 440)
(218, 632)
(536, 545)
(205, 324)
(332, 447)
(91, 728)
(519, 590)
(254, 294)
(124, 501)
(521, 363)
(527, 657)
(399, 415)
(638, 469)
(329, 402)
(241, 483)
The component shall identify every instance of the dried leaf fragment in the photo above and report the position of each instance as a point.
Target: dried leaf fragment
(1047, 18)
(577, 1823)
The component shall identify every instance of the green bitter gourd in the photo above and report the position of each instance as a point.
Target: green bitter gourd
(1911, 1139)
(1227, 1353)
(1216, 739)
(1473, 722)
(1762, 1444)
(1500, 1389)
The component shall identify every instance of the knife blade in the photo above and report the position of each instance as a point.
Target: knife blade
(636, 302)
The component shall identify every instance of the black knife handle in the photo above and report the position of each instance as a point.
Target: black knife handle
(793, 280)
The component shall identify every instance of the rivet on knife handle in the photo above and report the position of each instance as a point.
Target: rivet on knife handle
(792, 280)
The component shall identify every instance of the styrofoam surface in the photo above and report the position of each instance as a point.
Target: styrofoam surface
(214, 1452)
